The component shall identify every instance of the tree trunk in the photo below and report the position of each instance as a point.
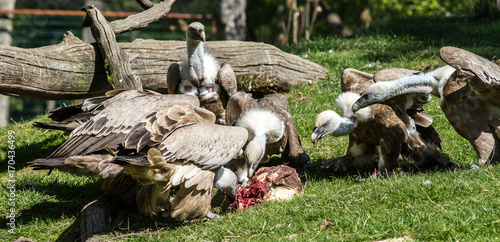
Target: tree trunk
(74, 69)
(234, 19)
(5, 39)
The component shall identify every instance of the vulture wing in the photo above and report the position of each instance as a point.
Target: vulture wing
(112, 124)
(471, 63)
(355, 81)
(237, 105)
(173, 78)
(392, 74)
(207, 145)
(227, 79)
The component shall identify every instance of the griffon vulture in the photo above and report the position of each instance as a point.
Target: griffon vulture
(271, 130)
(379, 133)
(139, 134)
(469, 92)
(201, 75)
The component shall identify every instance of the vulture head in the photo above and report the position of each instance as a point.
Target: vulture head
(330, 123)
(195, 32)
(425, 82)
(264, 127)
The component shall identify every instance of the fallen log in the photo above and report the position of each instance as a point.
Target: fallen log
(73, 69)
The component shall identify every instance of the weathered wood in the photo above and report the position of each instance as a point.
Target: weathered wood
(116, 61)
(154, 12)
(74, 69)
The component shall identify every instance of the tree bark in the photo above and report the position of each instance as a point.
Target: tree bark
(74, 69)
(234, 19)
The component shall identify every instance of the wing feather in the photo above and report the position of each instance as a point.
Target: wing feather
(237, 105)
(208, 145)
(460, 59)
(355, 81)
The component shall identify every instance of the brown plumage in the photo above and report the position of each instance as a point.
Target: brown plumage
(202, 76)
(380, 133)
(71, 117)
(469, 92)
(183, 152)
(162, 141)
(271, 130)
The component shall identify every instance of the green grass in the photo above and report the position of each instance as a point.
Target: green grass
(459, 204)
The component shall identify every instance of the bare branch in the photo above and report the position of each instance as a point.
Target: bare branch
(116, 61)
(142, 19)
(145, 4)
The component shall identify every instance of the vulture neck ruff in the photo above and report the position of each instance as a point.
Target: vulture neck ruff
(262, 125)
(345, 101)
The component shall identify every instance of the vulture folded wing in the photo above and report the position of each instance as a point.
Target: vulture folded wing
(473, 64)
(208, 145)
(227, 79)
(355, 81)
(237, 105)
(392, 74)
(173, 78)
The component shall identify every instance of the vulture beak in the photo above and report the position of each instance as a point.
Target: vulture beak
(253, 155)
(202, 35)
(355, 106)
(315, 136)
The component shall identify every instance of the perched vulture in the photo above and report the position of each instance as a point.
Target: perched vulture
(469, 92)
(379, 133)
(271, 130)
(165, 133)
(201, 75)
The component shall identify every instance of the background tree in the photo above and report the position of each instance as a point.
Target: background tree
(5, 39)
(233, 18)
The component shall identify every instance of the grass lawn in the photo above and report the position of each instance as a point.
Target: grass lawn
(461, 204)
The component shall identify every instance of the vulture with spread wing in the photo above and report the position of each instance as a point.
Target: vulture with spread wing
(202, 76)
(70, 117)
(469, 92)
(380, 133)
(271, 130)
(161, 141)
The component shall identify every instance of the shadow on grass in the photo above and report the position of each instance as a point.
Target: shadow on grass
(41, 149)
